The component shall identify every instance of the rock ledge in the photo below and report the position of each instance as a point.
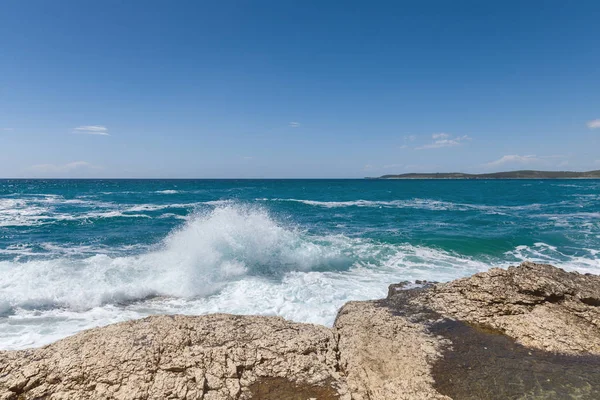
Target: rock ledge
(525, 332)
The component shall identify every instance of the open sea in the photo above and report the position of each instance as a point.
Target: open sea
(75, 254)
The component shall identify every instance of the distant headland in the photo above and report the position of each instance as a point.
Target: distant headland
(523, 174)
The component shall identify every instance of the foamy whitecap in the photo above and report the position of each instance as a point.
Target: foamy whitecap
(196, 260)
(545, 253)
(233, 258)
(35, 211)
(227, 258)
(168, 191)
(416, 203)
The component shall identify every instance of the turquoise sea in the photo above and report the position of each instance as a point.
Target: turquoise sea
(75, 254)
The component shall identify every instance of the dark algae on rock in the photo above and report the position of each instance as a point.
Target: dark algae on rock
(485, 364)
(480, 361)
(281, 388)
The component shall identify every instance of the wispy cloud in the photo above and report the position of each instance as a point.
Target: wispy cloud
(394, 166)
(6, 129)
(594, 124)
(62, 168)
(407, 141)
(514, 159)
(91, 130)
(370, 167)
(397, 168)
(294, 124)
(444, 140)
(373, 168)
(553, 161)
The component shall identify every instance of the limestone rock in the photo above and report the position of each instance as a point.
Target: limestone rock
(385, 356)
(180, 357)
(531, 331)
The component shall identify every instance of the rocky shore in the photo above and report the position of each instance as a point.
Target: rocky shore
(527, 332)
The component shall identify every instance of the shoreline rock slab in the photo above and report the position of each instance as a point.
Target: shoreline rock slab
(385, 356)
(208, 357)
(527, 332)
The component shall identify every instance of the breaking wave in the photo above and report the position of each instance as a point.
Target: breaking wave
(210, 250)
(225, 257)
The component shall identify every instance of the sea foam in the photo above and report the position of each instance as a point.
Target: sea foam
(229, 258)
(232, 258)
(196, 260)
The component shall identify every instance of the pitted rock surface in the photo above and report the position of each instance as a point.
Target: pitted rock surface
(441, 341)
(177, 357)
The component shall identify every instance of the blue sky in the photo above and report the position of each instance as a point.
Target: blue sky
(276, 89)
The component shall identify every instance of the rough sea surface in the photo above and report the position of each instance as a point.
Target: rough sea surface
(76, 254)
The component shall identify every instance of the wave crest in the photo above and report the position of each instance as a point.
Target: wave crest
(209, 251)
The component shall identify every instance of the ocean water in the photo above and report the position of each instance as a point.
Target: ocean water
(76, 254)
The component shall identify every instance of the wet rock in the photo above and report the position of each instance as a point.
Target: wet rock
(280, 388)
(527, 332)
(538, 305)
(483, 364)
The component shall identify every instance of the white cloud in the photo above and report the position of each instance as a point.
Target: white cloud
(6, 129)
(370, 167)
(294, 124)
(444, 140)
(397, 168)
(54, 169)
(553, 161)
(594, 124)
(514, 159)
(91, 130)
(410, 138)
(393, 166)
